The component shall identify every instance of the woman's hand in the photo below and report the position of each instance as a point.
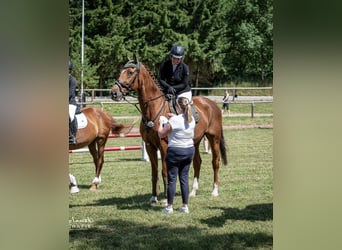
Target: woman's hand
(164, 127)
(169, 115)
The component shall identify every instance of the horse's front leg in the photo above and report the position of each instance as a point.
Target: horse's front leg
(197, 161)
(152, 154)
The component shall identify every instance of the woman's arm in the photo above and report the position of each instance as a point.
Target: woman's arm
(164, 129)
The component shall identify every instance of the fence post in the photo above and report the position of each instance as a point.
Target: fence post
(83, 98)
(252, 109)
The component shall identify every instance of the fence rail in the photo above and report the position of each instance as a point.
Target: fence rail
(233, 89)
(252, 104)
(241, 100)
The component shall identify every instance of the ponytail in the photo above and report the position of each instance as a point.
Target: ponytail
(185, 106)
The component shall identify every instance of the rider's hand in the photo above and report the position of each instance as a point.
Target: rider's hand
(171, 90)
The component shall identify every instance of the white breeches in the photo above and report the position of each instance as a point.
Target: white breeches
(72, 111)
(187, 95)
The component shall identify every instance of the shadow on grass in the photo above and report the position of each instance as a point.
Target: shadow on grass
(120, 234)
(123, 159)
(255, 212)
(129, 203)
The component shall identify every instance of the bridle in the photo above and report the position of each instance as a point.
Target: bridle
(128, 86)
(148, 123)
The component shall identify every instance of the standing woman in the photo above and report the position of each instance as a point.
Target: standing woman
(225, 100)
(180, 151)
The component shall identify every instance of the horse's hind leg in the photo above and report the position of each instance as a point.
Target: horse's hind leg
(94, 154)
(215, 144)
(197, 161)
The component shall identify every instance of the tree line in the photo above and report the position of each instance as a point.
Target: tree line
(226, 41)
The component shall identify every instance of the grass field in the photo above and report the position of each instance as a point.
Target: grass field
(119, 215)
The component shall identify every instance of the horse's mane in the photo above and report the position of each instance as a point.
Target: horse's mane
(152, 76)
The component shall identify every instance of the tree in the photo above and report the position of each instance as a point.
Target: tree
(224, 40)
(249, 54)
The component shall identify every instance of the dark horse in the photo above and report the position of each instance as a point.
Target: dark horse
(95, 135)
(153, 103)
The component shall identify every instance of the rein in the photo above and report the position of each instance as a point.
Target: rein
(150, 123)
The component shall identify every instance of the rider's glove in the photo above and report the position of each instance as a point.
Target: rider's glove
(171, 90)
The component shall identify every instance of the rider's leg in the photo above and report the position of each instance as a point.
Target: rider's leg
(72, 124)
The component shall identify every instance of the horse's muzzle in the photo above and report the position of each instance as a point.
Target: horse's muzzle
(116, 95)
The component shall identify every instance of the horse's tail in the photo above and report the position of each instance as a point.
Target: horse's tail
(118, 128)
(223, 149)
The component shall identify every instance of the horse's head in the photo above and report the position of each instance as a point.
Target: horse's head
(127, 82)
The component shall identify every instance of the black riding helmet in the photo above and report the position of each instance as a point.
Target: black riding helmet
(177, 51)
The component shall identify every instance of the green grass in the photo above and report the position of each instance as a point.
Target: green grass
(119, 216)
(261, 108)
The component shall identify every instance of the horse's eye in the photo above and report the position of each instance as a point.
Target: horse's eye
(130, 73)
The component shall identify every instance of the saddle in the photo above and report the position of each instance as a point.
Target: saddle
(172, 103)
(80, 120)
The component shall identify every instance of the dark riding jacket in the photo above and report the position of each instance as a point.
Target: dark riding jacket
(72, 90)
(179, 79)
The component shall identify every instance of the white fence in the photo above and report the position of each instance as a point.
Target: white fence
(107, 94)
(239, 100)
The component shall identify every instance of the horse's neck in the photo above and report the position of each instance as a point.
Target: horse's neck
(151, 98)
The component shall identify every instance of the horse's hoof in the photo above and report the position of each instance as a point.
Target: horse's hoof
(192, 194)
(215, 191)
(74, 190)
(214, 194)
(154, 199)
(93, 187)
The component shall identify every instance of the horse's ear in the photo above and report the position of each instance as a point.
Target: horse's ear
(135, 59)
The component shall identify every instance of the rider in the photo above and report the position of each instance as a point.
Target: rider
(174, 74)
(72, 106)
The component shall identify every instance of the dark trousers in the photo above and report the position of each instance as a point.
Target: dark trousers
(225, 106)
(178, 161)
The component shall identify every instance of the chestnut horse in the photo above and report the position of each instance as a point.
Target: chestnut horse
(94, 135)
(153, 103)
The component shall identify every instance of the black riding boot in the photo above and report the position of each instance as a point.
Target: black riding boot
(72, 131)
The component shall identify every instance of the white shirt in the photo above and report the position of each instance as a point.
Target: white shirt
(226, 98)
(182, 133)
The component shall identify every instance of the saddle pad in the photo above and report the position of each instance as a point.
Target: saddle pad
(81, 121)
